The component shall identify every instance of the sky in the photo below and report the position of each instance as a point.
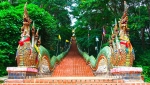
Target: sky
(73, 20)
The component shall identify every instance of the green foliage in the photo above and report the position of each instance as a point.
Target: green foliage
(65, 35)
(94, 15)
(57, 9)
(144, 57)
(146, 73)
(140, 40)
(4, 57)
(10, 23)
(5, 5)
(86, 42)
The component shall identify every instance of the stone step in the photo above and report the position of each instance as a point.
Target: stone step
(76, 84)
(72, 81)
(73, 64)
(65, 80)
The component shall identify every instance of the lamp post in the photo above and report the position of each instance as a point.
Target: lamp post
(96, 39)
(57, 47)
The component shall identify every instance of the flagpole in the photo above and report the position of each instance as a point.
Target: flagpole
(59, 45)
(103, 34)
(57, 48)
(96, 39)
(65, 46)
(59, 38)
(101, 43)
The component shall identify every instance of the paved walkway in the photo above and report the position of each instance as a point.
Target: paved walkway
(73, 65)
(3, 78)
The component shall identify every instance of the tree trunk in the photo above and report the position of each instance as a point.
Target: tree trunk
(148, 7)
(143, 40)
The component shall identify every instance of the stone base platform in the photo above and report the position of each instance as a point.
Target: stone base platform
(21, 72)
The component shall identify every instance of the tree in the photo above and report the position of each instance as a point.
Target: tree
(94, 15)
(56, 8)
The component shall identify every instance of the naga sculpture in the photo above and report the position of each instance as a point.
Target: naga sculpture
(120, 51)
(124, 48)
(30, 53)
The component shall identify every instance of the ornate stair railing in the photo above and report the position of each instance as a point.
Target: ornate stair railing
(89, 59)
(56, 59)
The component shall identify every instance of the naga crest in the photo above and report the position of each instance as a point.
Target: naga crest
(122, 50)
(26, 54)
(26, 22)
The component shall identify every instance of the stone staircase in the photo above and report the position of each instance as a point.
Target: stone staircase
(72, 65)
(72, 70)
